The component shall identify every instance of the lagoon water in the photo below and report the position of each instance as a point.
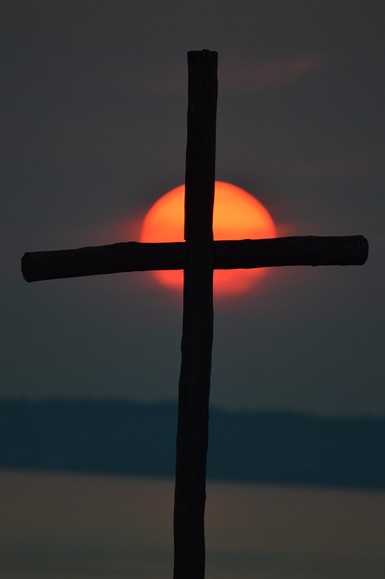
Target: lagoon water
(79, 527)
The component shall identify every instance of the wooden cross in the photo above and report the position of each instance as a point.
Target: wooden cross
(198, 256)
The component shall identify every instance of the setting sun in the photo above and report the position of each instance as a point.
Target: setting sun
(237, 215)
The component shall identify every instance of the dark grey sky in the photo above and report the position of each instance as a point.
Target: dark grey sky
(94, 127)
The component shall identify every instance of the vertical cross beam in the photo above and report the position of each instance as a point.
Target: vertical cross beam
(197, 336)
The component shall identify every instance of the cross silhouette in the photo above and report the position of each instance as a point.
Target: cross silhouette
(198, 256)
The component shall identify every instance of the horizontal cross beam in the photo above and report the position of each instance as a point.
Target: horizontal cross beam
(239, 254)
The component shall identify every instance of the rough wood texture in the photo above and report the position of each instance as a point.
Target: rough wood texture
(282, 251)
(248, 253)
(116, 258)
(194, 381)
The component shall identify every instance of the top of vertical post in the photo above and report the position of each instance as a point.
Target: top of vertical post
(201, 136)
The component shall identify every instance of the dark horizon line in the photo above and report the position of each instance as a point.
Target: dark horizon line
(105, 399)
(114, 436)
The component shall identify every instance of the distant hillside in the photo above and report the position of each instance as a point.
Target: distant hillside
(118, 437)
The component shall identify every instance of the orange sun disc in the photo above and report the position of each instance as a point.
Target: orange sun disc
(237, 215)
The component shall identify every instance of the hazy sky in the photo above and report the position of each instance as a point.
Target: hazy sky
(94, 103)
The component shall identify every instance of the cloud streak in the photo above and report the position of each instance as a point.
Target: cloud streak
(255, 75)
(271, 73)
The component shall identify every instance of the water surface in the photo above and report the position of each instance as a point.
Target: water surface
(71, 526)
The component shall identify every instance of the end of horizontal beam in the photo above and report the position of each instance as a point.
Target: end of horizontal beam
(115, 258)
(290, 251)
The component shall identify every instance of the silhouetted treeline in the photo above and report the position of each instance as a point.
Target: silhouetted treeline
(119, 437)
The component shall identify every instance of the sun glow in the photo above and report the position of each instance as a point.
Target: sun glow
(237, 215)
